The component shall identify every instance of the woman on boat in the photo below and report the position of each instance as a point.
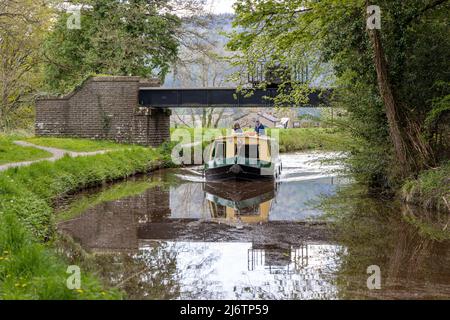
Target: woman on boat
(237, 128)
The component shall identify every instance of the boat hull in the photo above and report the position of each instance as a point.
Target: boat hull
(238, 172)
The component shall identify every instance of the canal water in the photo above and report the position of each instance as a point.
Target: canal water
(173, 235)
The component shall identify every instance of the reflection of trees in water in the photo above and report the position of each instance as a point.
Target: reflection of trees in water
(412, 264)
(187, 201)
(155, 272)
(196, 272)
(151, 273)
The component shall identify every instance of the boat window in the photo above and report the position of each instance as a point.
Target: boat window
(219, 150)
(249, 151)
(251, 210)
(217, 211)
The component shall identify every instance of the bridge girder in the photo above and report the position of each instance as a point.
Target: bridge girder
(217, 98)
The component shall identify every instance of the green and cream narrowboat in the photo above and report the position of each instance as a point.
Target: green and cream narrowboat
(243, 156)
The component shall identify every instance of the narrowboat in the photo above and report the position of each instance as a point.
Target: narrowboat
(243, 156)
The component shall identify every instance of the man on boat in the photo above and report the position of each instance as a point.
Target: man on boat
(259, 128)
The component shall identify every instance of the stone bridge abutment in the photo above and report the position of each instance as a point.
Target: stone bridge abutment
(104, 107)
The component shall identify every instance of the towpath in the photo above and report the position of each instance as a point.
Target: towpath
(56, 154)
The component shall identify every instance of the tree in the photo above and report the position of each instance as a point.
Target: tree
(135, 37)
(202, 62)
(412, 152)
(393, 71)
(23, 24)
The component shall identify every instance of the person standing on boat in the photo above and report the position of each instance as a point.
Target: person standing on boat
(259, 128)
(237, 128)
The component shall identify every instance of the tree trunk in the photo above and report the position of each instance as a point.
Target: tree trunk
(219, 117)
(390, 103)
(203, 117)
(210, 116)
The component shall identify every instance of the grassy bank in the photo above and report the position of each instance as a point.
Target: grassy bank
(77, 145)
(297, 139)
(430, 190)
(294, 139)
(313, 139)
(10, 152)
(30, 267)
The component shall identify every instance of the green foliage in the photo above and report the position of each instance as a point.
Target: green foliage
(441, 108)
(431, 189)
(28, 268)
(10, 152)
(23, 24)
(116, 38)
(48, 180)
(313, 139)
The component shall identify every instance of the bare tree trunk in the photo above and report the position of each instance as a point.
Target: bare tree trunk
(192, 117)
(210, 115)
(203, 117)
(219, 117)
(181, 120)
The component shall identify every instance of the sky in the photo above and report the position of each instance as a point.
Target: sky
(220, 6)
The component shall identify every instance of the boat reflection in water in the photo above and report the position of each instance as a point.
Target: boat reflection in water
(250, 202)
(240, 201)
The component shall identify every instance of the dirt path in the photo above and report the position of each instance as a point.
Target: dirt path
(56, 154)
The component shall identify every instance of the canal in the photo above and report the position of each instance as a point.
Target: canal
(309, 235)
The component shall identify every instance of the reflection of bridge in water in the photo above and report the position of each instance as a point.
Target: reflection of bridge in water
(278, 259)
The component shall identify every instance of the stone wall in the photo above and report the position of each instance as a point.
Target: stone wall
(104, 108)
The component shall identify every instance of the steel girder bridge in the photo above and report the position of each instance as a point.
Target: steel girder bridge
(219, 98)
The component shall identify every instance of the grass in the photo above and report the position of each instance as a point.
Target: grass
(301, 139)
(77, 145)
(430, 190)
(298, 139)
(295, 139)
(30, 265)
(10, 152)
